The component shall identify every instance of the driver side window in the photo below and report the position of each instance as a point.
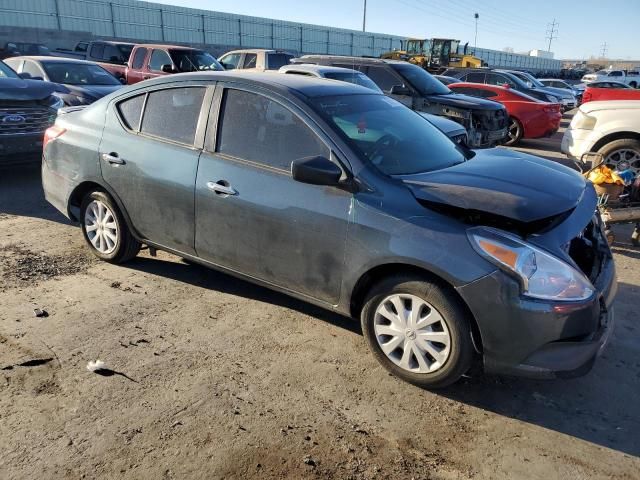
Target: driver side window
(230, 61)
(159, 58)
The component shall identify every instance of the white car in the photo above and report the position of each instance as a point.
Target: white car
(611, 128)
(628, 77)
(258, 59)
(453, 130)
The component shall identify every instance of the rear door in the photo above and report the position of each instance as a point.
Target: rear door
(149, 156)
(251, 216)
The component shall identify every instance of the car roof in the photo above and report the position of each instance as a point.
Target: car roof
(350, 59)
(257, 50)
(52, 59)
(312, 67)
(610, 105)
(110, 42)
(285, 84)
(161, 46)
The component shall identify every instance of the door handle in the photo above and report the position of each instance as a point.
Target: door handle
(220, 188)
(112, 158)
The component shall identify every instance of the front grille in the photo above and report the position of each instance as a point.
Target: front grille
(25, 120)
(491, 120)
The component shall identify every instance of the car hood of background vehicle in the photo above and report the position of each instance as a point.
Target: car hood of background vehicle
(92, 91)
(19, 89)
(514, 185)
(465, 101)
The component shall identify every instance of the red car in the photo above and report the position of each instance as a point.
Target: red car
(528, 117)
(597, 91)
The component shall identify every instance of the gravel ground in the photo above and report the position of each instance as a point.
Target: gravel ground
(212, 377)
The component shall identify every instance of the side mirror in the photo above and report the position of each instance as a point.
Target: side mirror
(167, 68)
(316, 171)
(25, 76)
(400, 90)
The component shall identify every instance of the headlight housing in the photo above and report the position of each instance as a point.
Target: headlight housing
(541, 275)
(55, 102)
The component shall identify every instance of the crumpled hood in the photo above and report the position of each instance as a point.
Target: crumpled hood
(20, 89)
(465, 101)
(514, 185)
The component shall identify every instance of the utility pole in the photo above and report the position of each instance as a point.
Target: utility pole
(475, 41)
(603, 52)
(364, 16)
(552, 33)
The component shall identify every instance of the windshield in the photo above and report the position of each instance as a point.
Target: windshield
(194, 60)
(419, 79)
(78, 74)
(6, 72)
(393, 138)
(355, 77)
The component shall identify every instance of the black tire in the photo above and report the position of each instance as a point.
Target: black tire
(623, 143)
(126, 246)
(633, 85)
(450, 308)
(518, 132)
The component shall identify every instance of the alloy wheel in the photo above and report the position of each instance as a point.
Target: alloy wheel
(621, 155)
(412, 333)
(101, 227)
(514, 131)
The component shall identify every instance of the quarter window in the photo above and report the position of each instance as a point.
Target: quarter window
(138, 58)
(173, 114)
(158, 59)
(130, 111)
(255, 128)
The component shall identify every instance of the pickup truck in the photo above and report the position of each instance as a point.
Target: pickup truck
(112, 56)
(258, 59)
(629, 77)
(150, 61)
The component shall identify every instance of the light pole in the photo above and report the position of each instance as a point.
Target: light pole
(364, 16)
(475, 41)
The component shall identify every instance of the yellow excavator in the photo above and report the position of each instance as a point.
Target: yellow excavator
(435, 54)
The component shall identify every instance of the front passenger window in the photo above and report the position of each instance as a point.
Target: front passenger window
(255, 128)
(172, 114)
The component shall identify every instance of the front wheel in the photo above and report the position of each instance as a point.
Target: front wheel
(418, 330)
(105, 229)
(623, 153)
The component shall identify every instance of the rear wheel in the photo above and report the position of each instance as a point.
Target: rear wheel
(418, 330)
(105, 229)
(633, 85)
(515, 132)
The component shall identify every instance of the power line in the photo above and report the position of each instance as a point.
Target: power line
(551, 33)
(603, 52)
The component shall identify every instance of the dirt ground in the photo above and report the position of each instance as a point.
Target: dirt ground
(217, 378)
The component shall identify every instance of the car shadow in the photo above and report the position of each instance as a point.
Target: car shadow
(21, 194)
(602, 407)
(203, 277)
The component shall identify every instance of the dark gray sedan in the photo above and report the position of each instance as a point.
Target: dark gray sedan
(80, 82)
(345, 198)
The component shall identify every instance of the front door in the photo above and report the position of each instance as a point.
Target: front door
(150, 160)
(251, 216)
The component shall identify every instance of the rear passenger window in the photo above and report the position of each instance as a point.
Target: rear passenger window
(249, 60)
(255, 128)
(383, 78)
(173, 114)
(130, 111)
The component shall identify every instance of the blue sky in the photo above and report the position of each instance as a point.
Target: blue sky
(584, 25)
